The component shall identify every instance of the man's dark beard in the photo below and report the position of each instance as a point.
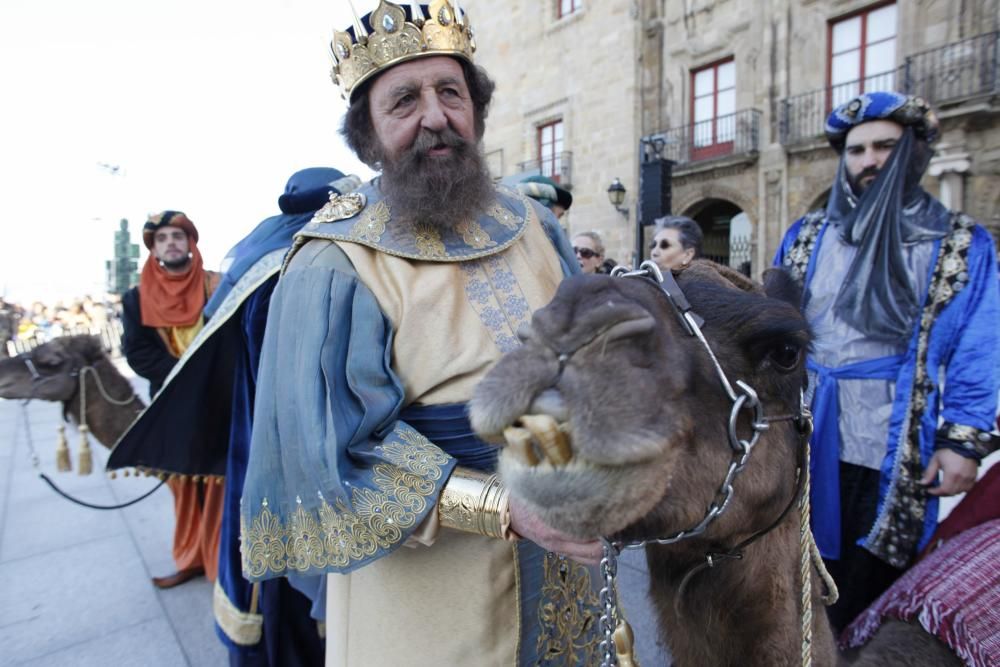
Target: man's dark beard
(175, 264)
(855, 181)
(442, 191)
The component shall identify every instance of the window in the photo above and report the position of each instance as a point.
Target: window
(550, 149)
(713, 109)
(862, 53)
(567, 7)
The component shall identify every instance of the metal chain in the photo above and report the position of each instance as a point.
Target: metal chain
(609, 604)
(741, 450)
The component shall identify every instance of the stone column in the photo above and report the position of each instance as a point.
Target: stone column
(949, 168)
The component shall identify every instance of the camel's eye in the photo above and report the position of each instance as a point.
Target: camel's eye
(784, 356)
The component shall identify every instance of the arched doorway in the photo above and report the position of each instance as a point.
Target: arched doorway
(726, 230)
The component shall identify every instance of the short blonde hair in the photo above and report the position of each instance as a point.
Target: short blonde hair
(596, 238)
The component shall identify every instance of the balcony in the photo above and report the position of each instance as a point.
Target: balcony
(735, 134)
(559, 169)
(944, 76)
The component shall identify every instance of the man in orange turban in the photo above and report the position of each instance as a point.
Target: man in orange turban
(161, 317)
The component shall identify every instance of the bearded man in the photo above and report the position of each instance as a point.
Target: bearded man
(902, 297)
(160, 318)
(396, 300)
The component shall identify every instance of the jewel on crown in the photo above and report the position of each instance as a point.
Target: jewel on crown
(442, 28)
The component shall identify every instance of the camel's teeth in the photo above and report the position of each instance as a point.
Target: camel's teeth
(552, 440)
(519, 444)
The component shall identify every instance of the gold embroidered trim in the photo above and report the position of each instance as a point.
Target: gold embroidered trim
(339, 535)
(897, 531)
(428, 240)
(569, 615)
(371, 226)
(504, 217)
(474, 235)
(243, 628)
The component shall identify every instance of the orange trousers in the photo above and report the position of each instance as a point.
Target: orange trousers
(198, 513)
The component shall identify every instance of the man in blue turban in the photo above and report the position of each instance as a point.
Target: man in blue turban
(902, 296)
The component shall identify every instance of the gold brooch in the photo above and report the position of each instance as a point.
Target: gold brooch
(341, 207)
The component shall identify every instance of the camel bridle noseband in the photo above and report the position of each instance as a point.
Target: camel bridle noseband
(617, 640)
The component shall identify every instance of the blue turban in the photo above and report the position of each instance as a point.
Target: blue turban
(906, 110)
(882, 298)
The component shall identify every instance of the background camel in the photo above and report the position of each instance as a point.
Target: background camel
(54, 371)
(640, 448)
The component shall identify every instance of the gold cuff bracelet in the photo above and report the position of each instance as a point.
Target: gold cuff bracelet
(475, 502)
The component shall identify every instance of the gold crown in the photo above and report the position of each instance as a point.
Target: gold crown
(443, 30)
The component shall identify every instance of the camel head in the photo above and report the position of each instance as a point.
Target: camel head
(616, 420)
(51, 371)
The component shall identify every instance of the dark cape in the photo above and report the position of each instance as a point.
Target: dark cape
(201, 422)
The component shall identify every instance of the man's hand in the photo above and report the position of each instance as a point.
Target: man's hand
(530, 527)
(958, 473)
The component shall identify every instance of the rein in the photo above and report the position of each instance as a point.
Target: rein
(616, 645)
(81, 373)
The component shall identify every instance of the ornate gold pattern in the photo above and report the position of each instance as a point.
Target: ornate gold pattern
(475, 502)
(371, 226)
(337, 536)
(569, 614)
(377, 230)
(797, 259)
(503, 216)
(428, 240)
(474, 235)
(899, 527)
(340, 207)
(394, 40)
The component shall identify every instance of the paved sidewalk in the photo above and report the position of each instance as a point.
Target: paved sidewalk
(75, 582)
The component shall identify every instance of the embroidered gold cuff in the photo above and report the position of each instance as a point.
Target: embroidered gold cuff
(475, 502)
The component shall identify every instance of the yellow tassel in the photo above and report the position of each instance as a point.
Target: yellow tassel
(62, 452)
(86, 465)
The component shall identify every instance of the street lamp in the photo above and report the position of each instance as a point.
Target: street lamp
(616, 195)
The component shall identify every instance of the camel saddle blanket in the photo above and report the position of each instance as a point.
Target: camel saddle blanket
(954, 594)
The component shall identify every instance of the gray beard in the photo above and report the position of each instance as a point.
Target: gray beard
(438, 191)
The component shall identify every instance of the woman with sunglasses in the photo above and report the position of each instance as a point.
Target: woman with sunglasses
(677, 242)
(589, 249)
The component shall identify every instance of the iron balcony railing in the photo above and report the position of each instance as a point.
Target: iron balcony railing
(733, 134)
(559, 167)
(965, 69)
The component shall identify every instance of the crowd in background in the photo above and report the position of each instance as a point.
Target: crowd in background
(25, 327)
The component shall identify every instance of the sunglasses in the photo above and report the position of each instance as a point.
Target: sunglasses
(586, 253)
(664, 244)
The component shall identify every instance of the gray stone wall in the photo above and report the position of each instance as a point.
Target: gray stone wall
(621, 69)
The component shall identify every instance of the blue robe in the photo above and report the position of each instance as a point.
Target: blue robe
(963, 341)
(344, 466)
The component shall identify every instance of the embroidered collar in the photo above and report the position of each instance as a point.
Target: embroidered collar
(365, 217)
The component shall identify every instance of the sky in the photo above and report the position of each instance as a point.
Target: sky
(204, 106)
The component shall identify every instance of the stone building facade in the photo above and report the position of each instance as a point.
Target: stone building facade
(734, 93)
